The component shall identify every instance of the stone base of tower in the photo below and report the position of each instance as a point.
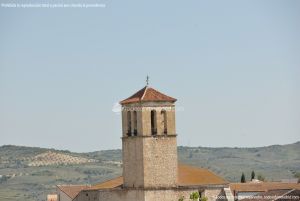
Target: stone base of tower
(150, 161)
(172, 194)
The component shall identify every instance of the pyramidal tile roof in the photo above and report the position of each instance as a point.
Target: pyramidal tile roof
(148, 94)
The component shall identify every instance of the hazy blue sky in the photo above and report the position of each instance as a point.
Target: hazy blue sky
(234, 67)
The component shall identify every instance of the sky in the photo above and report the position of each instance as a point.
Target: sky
(234, 67)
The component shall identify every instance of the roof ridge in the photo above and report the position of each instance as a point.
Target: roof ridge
(146, 87)
(67, 193)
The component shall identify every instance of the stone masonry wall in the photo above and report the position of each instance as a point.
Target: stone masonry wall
(131, 194)
(150, 161)
(144, 118)
(160, 161)
(134, 195)
(133, 167)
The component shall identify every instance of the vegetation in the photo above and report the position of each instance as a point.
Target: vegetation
(203, 198)
(297, 175)
(194, 196)
(261, 177)
(275, 162)
(243, 179)
(252, 175)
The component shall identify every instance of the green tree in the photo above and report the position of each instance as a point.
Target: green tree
(194, 196)
(252, 175)
(181, 198)
(243, 179)
(203, 198)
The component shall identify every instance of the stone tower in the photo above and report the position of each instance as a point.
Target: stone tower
(149, 140)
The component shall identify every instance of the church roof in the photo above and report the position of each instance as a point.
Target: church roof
(187, 176)
(192, 176)
(109, 184)
(147, 94)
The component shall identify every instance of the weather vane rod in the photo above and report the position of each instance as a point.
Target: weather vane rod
(147, 80)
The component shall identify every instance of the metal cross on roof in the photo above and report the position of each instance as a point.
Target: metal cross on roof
(147, 80)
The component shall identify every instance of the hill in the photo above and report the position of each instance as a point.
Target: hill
(53, 158)
(29, 173)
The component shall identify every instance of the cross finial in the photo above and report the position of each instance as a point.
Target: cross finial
(147, 80)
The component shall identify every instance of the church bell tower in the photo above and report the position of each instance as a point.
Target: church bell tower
(149, 144)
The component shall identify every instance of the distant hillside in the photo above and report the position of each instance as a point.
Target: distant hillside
(29, 173)
(53, 158)
(273, 162)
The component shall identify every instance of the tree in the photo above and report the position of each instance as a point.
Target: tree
(297, 175)
(252, 175)
(194, 196)
(181, 198)
(243, 179)
(203, 198)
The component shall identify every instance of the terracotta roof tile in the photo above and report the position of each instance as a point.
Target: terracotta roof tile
(187, 176)
(262, 186)
(113, 183)
(269, 195)
(72, 190)
(147, 94)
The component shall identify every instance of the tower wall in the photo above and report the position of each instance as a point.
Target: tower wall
(160, 161)
(143, 111)
(149, 159)
(133, 166)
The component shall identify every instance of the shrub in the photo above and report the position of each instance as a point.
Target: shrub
(203, 199)
(194, 196)
(260, 177)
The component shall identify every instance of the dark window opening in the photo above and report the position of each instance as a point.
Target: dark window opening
(134, 123)
(153, 123)
(129, 123)
(164, 121)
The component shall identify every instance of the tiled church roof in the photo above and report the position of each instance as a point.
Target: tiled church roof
(109, 184)
(193, 176)
(187, 176)
(147, 94)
